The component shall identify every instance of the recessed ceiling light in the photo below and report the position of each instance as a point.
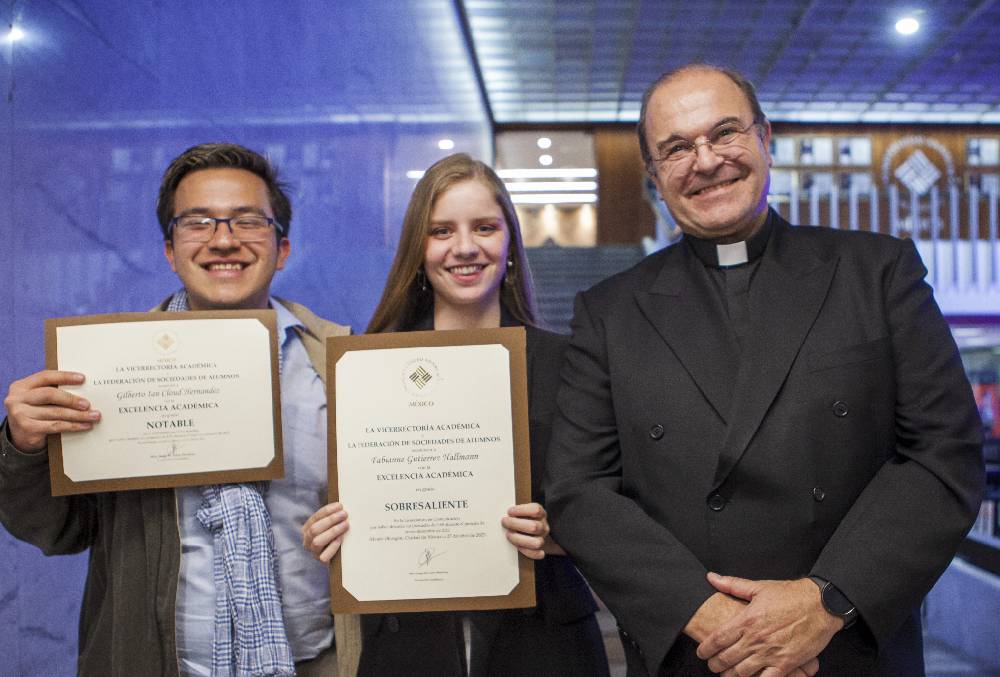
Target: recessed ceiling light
(560, 173)
(545, 160)
(544, 142)
(446, 144)
(14, 34)
(553, 198)
(907, 26)
(549, 186)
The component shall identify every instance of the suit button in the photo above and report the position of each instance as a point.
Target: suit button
(716, 502)
(656, 432)
(392, 623)
(818, 494)
(840, 408)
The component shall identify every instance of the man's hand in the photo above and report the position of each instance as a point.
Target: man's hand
(715, 611)
(324, 531)
(781, 631)
(36, 407)
(527, 528)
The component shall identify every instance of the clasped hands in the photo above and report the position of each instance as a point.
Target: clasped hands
(527, 528)
(766, 628)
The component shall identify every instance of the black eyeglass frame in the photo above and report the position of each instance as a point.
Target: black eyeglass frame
(278, 228)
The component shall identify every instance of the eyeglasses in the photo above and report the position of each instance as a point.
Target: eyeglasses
(722, 140)
(245, 227)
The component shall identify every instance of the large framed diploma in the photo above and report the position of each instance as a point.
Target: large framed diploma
(185, 398)
(428, 440)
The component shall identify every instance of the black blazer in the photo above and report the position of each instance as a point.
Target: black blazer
(561, 592)
(845, 443)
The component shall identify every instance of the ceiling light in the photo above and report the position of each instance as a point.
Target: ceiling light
(554, 173)
(549, 186)
(544, 142)
(14, 34)
(907, 26)
(446, 144)
(553, 198)
(415, 174)
(545, 160)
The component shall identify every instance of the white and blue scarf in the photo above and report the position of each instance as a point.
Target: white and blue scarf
(250, 638)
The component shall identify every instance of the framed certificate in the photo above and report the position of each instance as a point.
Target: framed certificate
(185, 398)
(428, 447)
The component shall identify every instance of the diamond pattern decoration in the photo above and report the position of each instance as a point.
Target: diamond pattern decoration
(917, 172)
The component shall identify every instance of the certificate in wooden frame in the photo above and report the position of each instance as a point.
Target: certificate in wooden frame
(513, 340)
(160, 349)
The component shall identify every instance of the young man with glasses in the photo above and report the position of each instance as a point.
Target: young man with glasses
(781, 406)
(160, 597)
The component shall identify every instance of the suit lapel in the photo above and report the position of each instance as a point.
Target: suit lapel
(785, 298)
(687, 312)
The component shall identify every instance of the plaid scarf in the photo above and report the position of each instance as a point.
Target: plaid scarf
(250, 637)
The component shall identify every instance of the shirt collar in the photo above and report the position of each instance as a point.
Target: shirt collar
(738, 253)
(286, 320)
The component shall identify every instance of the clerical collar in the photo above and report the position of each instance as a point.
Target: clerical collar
(735, 254)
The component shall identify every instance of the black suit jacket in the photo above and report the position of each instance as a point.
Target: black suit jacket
(844, 443)
(562, 594)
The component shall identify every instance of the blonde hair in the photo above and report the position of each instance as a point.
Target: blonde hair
(405, 300)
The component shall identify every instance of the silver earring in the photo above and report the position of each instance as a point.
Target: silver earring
(422, 277)
(508, 279)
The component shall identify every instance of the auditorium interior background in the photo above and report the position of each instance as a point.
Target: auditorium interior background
(886, 117)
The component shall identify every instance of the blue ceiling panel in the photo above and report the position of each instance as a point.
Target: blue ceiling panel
(192, 62)
(798, 52)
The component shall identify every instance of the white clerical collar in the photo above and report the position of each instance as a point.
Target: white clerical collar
(716, 255)
(734, 254)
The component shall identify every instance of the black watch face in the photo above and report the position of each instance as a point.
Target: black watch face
(835, 602)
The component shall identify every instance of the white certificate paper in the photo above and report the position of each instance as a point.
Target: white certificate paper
(180, 400)
(425, 467)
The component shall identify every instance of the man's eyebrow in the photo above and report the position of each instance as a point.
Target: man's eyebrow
(205, 211)
(677, 137)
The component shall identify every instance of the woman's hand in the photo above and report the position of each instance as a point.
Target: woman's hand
(324, 531)
(527, 528)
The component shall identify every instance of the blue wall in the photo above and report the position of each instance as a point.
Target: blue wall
(344, 96)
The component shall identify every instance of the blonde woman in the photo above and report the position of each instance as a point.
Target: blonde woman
(461, 265)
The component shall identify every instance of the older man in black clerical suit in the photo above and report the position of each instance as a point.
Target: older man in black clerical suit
(767, 450)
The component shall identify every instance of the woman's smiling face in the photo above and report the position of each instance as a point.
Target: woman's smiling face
(467, 245)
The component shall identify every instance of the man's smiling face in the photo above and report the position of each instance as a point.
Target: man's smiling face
(717, 196)
(225, 273)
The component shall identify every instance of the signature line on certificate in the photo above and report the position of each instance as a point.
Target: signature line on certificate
(428, 554)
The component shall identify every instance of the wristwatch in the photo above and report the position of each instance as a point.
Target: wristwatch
(836, 602)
